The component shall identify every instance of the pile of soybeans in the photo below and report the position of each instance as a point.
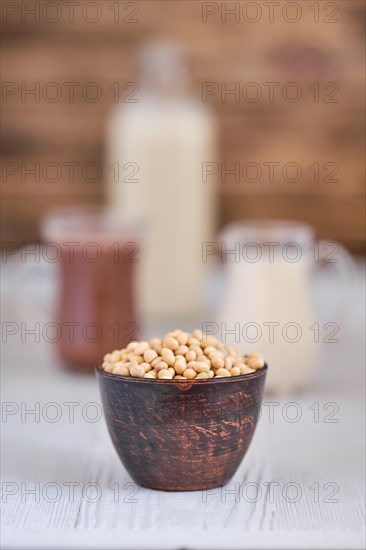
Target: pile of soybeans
(181, 356)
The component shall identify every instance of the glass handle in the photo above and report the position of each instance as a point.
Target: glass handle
(337, 261)
(32, 288)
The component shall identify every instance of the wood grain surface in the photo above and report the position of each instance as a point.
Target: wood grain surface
(322, 128)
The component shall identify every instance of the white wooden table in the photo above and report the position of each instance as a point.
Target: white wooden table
(301, 484)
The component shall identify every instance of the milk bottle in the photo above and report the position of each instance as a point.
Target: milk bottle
(164, 139)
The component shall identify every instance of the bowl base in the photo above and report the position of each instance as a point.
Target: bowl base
(186, 489)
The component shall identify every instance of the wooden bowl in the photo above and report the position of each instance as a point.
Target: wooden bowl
(181, 436)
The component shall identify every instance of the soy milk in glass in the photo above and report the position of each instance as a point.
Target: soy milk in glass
(268, 304)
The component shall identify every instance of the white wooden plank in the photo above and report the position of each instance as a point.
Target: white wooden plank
(306, 454)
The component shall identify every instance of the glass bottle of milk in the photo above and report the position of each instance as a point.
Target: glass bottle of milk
(160, 144)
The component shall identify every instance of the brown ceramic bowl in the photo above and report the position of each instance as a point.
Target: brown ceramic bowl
(181, 436)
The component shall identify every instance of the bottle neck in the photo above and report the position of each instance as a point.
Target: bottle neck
(164, 72)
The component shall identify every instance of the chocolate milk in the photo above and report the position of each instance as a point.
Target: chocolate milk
(96, 305)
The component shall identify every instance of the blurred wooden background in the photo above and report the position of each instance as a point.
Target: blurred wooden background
(305, 132)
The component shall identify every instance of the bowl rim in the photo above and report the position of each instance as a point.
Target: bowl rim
(153, 381)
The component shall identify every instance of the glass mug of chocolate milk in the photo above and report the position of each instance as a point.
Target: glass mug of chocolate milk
(96, 310)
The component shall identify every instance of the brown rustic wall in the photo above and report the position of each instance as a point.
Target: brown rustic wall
(322, 53)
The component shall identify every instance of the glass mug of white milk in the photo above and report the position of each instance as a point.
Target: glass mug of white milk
(268, 303)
